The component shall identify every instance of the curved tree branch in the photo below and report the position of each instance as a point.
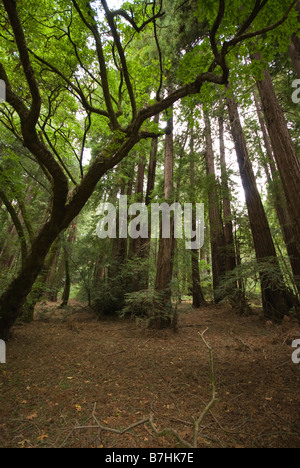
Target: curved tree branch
(102, 63)
(88, 107)
(130, 19)
(243, 37)
(215, 28)
(114, 31)
(17, 223)
(11, 9)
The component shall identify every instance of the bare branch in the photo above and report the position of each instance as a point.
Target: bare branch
(171, 432)
(214, 399)
(58, 157)
(215, 28)
(111, 22)
(159, 56)
(241, 38)
(15, 219)
(150, 420)
(130, 19)
(256, 10)
(12, 98)
(101, 59)
(87, 126)
(35, 146)
(88, 107)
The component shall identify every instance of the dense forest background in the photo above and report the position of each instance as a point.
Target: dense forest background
(164, 101)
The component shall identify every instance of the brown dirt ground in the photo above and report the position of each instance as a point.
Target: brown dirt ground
(62, 375)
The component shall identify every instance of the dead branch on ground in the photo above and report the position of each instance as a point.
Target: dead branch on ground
(197, 423)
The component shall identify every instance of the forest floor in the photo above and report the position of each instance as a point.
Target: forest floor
(64, 379)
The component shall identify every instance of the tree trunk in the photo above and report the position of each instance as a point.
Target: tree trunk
(152, 166)
(136, 245)
(280, 201)
(217, 240)
(67, 254)
(118, 282)
(227, 213)
(67, 289)
(294, 48)
(284, 150)
(17, 224)
(164, 272)
(276, 299)
(13, 299)
(198, 296)
(51, 280)
(39, 286)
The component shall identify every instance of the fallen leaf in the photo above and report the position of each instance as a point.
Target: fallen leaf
(42, 437)
(32, 416)
(23, 443)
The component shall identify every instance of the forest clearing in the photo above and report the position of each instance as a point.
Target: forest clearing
(149, 223)
(58, 375)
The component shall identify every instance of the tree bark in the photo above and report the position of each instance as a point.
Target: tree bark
(294, 48)
(164, 272)
(227, 213)
(284, 150)
(198, 296)
(276, 299)
(17, 224)
(217, 240)
(136, 245)
(152, 166)
(67, 254)
(39, 286)
(279, 200)
(13, 299)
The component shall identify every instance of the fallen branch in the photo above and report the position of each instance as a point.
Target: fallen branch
(197, 423)
(213, 400)
(169, 431)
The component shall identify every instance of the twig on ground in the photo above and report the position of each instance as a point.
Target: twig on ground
(169, 431)
(150, 420)
(213, 400)
(115, 353)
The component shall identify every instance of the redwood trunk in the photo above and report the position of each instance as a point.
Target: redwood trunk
(294, 48)
(280, 201)
(198, 296)
(284, 150)
(228, 225)
(217, 240)
(164, 272)
(276, 300)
